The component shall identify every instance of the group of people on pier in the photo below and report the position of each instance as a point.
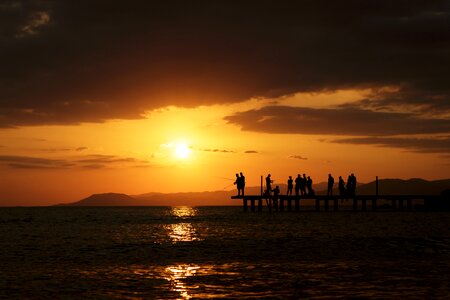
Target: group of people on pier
(302, 185)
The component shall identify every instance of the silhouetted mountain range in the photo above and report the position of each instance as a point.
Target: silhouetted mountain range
(414, 186)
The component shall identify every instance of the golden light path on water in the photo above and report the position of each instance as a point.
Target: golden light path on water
(181, 232)
(184, 231)
(177, 274)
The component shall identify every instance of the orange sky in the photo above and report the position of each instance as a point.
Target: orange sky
(139, 156)
(100, 96)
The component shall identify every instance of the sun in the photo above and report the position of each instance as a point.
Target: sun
(182, 151)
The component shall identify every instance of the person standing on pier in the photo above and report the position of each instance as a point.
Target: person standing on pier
(309, 186)
(353, 184)
(298, 183)
(238, 184)
(303, 185)
(349, 186)
(290, 186)
(276, 192)
(341, 188)
(268, 184)
(242, 178)
(330, 185)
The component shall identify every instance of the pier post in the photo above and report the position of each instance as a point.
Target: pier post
(409, 204)
(281, 203)
(355, 204)
(252, 205)
(244, 202)
(376, 186)
(400, 204)
(297, 203)
(335, 204)
(275, 204)
(289, 204)
(363, 205)
(326, 205)
(317, 204)
(260, 204)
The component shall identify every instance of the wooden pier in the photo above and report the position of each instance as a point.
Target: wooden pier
(332, 203)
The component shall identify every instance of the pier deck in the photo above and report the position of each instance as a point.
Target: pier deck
(359, 202)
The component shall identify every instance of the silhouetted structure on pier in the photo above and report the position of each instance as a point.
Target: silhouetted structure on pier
(359, 203)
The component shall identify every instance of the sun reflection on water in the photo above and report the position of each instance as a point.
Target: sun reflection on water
(176, 275)
(182, 232)
(183, 211)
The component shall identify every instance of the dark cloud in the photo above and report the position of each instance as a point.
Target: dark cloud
(66, 62)
(422, 145)
(89, 162)
(298, 157)
(251, 151)
(81, 148)
(336, 121)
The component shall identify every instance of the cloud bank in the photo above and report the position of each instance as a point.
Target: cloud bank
(122, 58)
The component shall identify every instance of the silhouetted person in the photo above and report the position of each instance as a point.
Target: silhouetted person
(341, 188)
(353, 184)
(269, 183)
(290, 186)
(303, 185)
(238, 184)
(330, 185)
(276, 192)
(242, 178)
(349, 186)
(298, 183)
(309, 186)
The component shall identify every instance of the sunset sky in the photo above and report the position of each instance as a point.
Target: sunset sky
(169, 96)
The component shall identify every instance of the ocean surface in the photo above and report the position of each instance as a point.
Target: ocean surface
(221, 252)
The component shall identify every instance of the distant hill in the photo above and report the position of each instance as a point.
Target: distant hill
(107, 199)
(414, 186)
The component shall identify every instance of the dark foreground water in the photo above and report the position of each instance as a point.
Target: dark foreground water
(208, 252)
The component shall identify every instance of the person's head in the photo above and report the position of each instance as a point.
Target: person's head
(352, 175)
(329, 175)
(304, 175)
(340, 177)
(268, 175)
(277, 187)
(290, 177)
(298, 175)
(242, 174)
(237, 175)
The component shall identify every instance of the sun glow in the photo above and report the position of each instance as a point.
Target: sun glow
(182, 151)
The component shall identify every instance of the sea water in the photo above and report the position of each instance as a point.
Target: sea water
(221, 252)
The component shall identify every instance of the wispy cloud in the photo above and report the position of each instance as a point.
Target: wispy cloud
(217, 150)
(298, 157)
(27, 162)
(251, 151)
(87, 162)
